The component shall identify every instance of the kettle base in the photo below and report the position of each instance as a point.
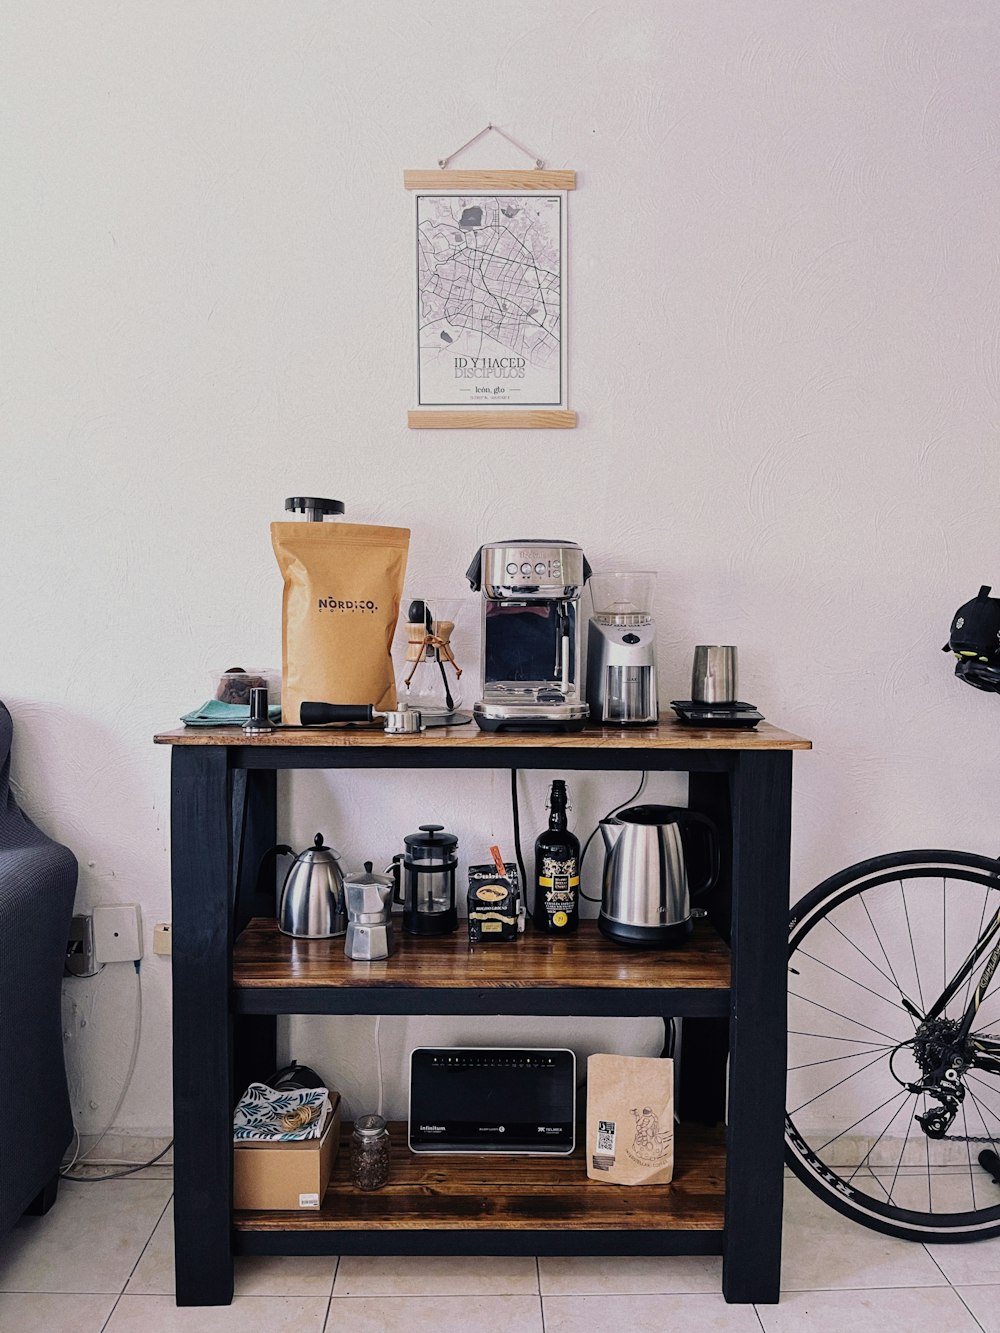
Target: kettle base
(644, 937)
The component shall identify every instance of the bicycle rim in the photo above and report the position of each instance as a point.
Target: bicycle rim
(892, 927)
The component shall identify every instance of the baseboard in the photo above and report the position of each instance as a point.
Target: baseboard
(125, 1149)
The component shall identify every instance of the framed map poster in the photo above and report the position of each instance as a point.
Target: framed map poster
(490, 310)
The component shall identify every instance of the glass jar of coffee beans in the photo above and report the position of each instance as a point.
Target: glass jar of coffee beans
(369, 1153)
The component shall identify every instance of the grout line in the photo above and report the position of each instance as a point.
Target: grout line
(971, 1315)
(930, 1256)
(759, 1320)
(111, 1313)
(333, 1280)
(538, 1277)
(329, 1307)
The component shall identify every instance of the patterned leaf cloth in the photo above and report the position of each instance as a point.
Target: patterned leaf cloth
(264, 1113)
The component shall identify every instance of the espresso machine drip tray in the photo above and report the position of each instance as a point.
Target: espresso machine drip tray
(716, 715)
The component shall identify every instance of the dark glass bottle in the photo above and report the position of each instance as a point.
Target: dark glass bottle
(556, 909)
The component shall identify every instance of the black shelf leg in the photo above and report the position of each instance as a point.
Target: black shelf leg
(255, 1036)
(705, 1041)
(761, 799)
(201, 857)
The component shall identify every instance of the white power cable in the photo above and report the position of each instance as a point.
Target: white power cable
(378, 1057)
(136, 1037)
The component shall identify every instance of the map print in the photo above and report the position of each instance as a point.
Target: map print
(489, 300)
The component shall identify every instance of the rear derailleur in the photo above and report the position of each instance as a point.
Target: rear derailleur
(943, 1060)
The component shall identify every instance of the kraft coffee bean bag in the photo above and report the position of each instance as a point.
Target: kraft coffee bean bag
(630, 1119)
(343, 584)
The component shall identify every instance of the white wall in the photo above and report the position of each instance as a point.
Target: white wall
(785, 353)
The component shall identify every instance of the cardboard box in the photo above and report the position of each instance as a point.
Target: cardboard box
(291, 1174)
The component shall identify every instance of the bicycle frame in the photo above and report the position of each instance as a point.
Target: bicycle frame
(985, 1047)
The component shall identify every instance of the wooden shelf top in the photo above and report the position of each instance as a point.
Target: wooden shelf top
(669, 735)
(264, 959)
(487, 1192)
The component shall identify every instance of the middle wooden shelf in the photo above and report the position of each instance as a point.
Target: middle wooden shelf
(582, 974)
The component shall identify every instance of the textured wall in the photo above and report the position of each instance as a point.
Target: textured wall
(785, 351)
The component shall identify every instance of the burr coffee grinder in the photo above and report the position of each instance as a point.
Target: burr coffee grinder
(621, 651)
(531, 635)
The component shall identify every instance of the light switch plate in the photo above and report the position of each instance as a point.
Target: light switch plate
(117, 933)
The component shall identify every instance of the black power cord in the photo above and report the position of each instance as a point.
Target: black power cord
(516, 817)
(613, 811)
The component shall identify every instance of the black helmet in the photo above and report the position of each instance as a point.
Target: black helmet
(975, 641)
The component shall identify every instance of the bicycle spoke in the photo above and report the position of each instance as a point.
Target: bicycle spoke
(902, 1093)
(968, 1151)
(837, 1014)
(916, 969)
(831, 1060)
(927, 1146)
(983, 1119)
(878, 937)
(892, 1183)
(835, 1086)
(868, 1154)
(825, 1036)
(892, 981)
(980, 1084)
(845, 976)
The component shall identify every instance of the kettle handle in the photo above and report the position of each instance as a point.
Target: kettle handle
(393, 870)
(282, 849)
(711, 836)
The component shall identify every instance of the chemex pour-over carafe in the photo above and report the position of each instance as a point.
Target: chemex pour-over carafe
(426, 888)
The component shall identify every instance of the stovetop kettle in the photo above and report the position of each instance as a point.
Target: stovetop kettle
(312, 899)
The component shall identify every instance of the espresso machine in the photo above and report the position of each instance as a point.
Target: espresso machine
(531, 635)
(621, 651)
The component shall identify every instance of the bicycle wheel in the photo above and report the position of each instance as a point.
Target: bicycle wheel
(866, 946)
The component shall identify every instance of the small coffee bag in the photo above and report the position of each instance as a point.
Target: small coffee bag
(630, 1119)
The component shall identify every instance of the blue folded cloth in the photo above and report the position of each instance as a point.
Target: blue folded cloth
(215, 713)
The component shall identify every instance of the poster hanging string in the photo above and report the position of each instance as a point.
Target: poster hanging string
(445, 161)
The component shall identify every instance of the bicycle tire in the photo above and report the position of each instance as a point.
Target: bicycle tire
(828, 1182)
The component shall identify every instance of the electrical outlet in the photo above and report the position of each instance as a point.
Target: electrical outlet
(117, 933)
(80, 946)
(163, 940)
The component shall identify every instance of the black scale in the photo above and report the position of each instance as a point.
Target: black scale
(716, 715)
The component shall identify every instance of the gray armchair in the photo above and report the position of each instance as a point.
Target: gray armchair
(37, 887)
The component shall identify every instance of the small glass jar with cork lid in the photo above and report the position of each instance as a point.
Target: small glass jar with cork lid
(370, 1153)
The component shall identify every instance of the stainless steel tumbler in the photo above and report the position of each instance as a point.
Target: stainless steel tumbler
(713, 676)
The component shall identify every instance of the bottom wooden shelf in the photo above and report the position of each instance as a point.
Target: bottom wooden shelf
(489, 1194)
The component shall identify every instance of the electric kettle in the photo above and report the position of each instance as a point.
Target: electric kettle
(312, 897)
(647, 896)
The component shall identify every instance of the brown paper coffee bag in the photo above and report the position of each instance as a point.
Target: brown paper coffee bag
(343, 584)
(630, 1119)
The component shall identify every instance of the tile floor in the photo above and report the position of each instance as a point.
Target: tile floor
(101, 1262)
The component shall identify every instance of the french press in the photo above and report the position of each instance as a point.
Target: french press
(427, 886)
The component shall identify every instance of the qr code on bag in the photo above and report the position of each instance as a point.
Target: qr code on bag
(605, 1136)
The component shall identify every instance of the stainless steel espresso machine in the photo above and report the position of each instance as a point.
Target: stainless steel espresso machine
(531, 635)
(621, 651)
